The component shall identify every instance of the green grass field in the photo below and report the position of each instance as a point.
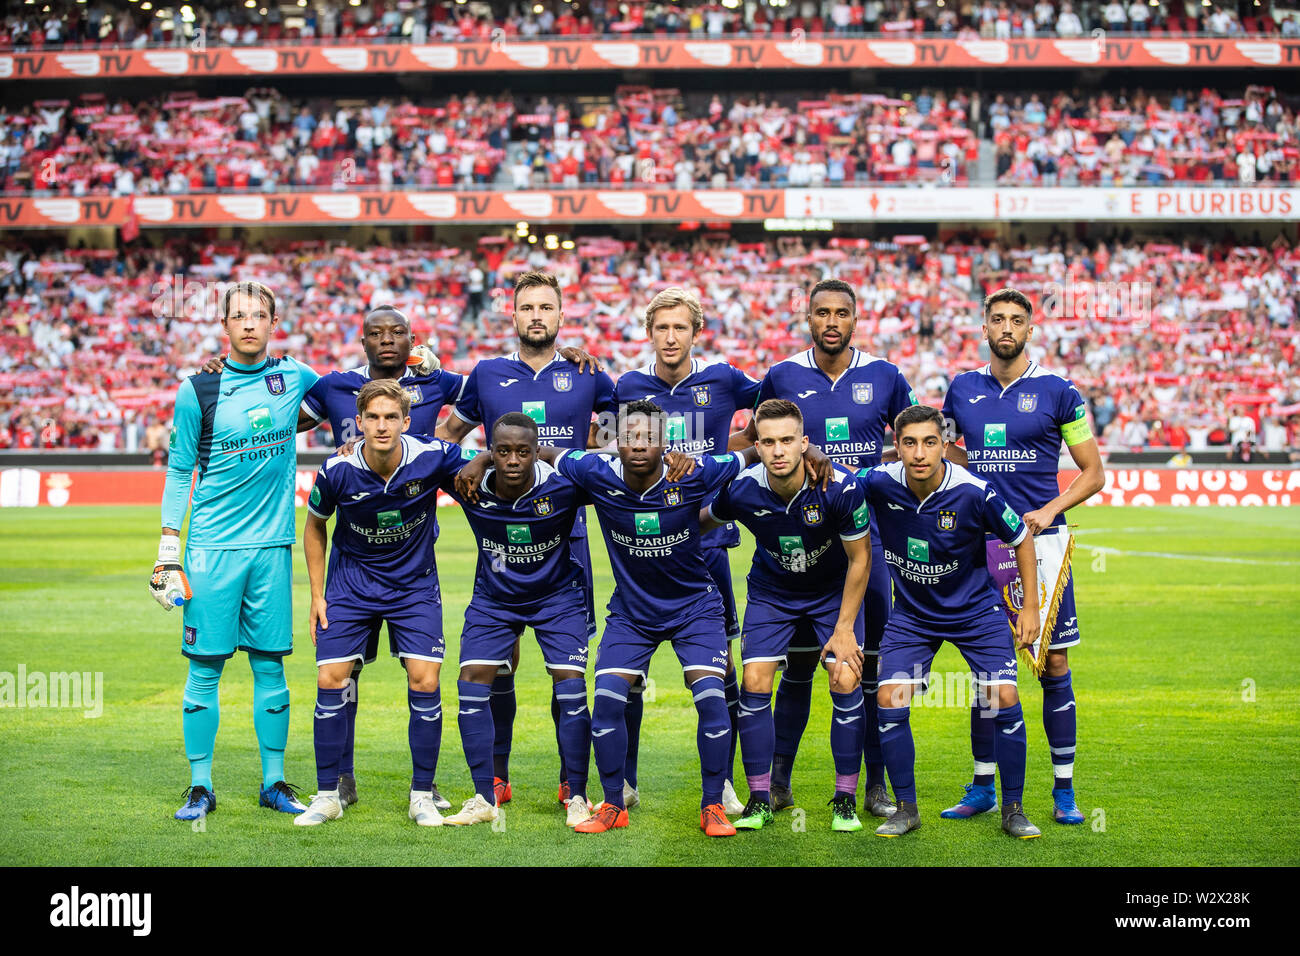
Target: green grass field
(1188, 683)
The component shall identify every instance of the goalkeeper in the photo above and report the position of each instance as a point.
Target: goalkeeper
(236, 429)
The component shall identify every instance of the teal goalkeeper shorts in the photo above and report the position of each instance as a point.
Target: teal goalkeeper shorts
(243, 601)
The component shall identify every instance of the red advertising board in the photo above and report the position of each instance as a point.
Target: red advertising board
(27, 487)
(795, 52)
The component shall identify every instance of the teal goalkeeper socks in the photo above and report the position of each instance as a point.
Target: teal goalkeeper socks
(270, 714)
(200, 715)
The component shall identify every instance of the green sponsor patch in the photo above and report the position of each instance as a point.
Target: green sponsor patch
(171, 441)
(519, 534)
(675, 428)
(790, 544)
(911, 397)
(1011, 518)
(468, 454)
(315, 496)
(536, 411)
(647, 522)
(259, 419)
(995, 435)
(389, 519)
(918, 550)
(861, 516)
(837, 429)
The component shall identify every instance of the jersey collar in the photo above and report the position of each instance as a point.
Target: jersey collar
(616, 465)
(557, 357)
(764, 483)
(242, 369)
(652, 371)
(541, 471)
(1027, 373)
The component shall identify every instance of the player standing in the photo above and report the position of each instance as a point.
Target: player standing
(381, 568)
(540, 382)
(386, 339)
(811, 564)
(700, 399)
(522, 520)
(1013, 415)
(932, 516)
(236, 428)
(662, 592)
(848, 398)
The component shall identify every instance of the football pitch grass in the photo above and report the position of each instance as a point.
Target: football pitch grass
(1188, 686)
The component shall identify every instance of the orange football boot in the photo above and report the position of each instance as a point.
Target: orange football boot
(606, 817)
(714, 822)
(501, 788)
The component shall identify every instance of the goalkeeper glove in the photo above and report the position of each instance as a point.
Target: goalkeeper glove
(168, 583)
(423, 360)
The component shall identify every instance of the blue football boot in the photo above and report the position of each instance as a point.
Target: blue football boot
(977, 800)
(283, 797)
(1066, 811)
(199, 802)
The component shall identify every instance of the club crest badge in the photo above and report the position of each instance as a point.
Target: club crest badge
(812, 514)
(1028, 402)
(947, 520)
(672, 496)
(542, 506)
(862, 393)
(275, 383)
(563, 381)
(701, 395)
(413, 488)
(414, 394)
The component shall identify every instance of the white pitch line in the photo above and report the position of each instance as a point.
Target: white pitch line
(1187, 557)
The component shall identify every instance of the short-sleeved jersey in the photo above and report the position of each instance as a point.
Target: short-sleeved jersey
(384, 534)
(560, 398)
(936, 548)
(236, 427)
(334, 397)
(1013, 435)
(523, 543)
(699, 412)
(653, 538)
(846, 417)
(797, 543)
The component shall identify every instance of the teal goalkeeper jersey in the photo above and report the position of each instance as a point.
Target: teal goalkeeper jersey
(236, 428)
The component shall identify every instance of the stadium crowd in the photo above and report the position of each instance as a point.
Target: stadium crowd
(59, 24)
(1173, 346)
(180, 143)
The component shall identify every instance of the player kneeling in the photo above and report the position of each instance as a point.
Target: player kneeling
(801, 576)
(932, 516)
(381, 568)
(521, 514)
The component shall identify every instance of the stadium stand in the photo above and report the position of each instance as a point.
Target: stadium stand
(64, 24)
(263, 141)
(1207, 336)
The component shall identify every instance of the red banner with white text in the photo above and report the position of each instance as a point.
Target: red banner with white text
(1099, 51)
(29, 487)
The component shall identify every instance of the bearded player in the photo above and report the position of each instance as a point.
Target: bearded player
(1013, 415)
(848, 399)
(543, 384)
